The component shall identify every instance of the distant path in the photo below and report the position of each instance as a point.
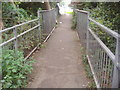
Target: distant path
(59, 63)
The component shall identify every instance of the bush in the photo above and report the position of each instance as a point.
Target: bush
(14, 15)
(74, 22)
(15, 69)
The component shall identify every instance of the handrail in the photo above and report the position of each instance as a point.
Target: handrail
(45, 26)
(104, 28)
(12, 39)
(86, 12)
(104, 64)
(18, 25)
(107, 50)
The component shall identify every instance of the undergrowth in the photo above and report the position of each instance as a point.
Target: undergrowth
(88, 70)
(74, 22)
(15, 69)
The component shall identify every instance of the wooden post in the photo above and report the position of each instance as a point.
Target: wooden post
(116, 72)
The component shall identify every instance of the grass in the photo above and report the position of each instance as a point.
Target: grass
(42, 46)
(69, 12)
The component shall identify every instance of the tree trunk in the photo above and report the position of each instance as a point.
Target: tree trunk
(47, 5)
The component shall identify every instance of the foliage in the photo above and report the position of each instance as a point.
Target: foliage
(69, 12)
(14, 15)
(74, 22)
(15, 68)
(30, 40)
(18, 13)
(106, 13)
(53, 4)
(88, 70)
(32, 7)
(87, 67)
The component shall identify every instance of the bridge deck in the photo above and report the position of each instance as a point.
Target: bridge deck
(59, 63)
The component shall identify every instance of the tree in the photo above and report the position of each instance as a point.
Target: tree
(47, 5)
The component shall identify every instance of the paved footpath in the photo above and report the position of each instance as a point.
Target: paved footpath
(58, 63)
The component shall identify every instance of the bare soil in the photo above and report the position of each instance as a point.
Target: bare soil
(59, 63)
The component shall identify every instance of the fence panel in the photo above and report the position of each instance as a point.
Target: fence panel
(82, 18)
(26, 36)
(48, 20)
(104, 59)
(100, 60)
(21, 40)
(20, 37)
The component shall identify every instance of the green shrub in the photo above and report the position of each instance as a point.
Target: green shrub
(106, 13)
(14, 15)
(88, 72)
(74, 22)
(15, 69)
(87, 67)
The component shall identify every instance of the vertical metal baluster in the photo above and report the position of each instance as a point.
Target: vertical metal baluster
(104, 80)
(94, 56)
(108, 81)
(97, 59)
(99, 63)
(101, 67)
(107, 72)
(112, 70)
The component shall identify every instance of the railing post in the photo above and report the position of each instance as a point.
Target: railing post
(116, 72)
(16, 40)
(87, 46)
(76, 16)
(39, 28)
(56, 15)
(54, 23)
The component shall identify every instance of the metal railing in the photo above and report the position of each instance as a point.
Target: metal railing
(104, 63)
(49, 18)
(27, 36)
